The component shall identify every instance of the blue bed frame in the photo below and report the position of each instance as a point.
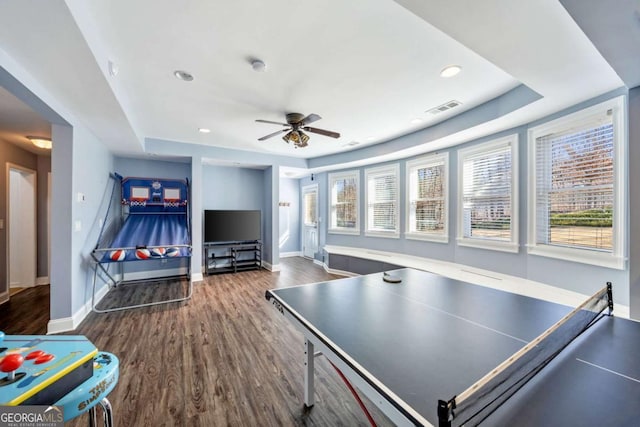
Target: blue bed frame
(153, 223)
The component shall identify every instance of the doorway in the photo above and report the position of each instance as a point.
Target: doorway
(310, 221)
(21, 227)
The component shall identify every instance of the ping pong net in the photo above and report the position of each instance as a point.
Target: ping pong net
(477, 402)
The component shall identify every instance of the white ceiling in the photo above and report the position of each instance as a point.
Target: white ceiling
(17, 121)
(368, 67)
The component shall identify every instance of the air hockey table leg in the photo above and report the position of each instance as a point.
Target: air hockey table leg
(107, 413)
(92, 417)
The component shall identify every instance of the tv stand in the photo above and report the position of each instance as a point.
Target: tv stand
(232, 257)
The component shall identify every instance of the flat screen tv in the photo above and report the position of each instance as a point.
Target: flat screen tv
(232, 226)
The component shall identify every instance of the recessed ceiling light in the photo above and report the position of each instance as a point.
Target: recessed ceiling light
(351, 144)
(183, 75)
(450, 71)
(416, 121)
(371, 138)
(204, 130)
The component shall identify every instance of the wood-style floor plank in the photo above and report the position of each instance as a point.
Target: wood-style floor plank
(224, 358)
(27, 312)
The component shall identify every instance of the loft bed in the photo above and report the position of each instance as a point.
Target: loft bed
(147, 221)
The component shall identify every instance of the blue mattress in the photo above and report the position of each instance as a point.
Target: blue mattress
(150, 236)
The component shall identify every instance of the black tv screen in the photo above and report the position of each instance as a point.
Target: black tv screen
(232, 226)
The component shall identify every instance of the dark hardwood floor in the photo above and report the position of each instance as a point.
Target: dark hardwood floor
(27, 312)
(224, 358)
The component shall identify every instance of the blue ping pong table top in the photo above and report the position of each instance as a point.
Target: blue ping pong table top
(430, 337)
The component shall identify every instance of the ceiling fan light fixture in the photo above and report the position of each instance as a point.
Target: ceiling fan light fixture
(286, 137)
(297, 137)
(304, 138)
(41, 142)
(294, 127)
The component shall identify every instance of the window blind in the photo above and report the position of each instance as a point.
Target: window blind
(427, 186)
(575, 187)
(382, 200)
(487, 194)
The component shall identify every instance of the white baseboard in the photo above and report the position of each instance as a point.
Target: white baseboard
(290, 254)
(338, 272)
(154, 274)
(56, 326)
(272, 268)
(66, 324)
(40, 281)
(317, 261)
(197, 277)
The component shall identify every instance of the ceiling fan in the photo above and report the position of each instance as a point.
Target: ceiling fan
(296, 123)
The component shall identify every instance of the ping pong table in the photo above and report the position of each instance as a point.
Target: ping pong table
(409, 345)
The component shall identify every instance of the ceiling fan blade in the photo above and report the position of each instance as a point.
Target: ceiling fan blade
(310, 119)
(278, 132)
(273, 123)
(322, 132)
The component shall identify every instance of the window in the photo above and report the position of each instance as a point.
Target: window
(309, 202)
(488, 204)
(427, 201)
(382, 200)
(343, 202)
(576, 199)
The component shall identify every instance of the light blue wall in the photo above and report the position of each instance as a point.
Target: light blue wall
(233, 188)
(149, 168)
(289, 230)
(197, 189)
(271, 188)
(62, 260)
(583, 278)
(44, 168)
(92, 180)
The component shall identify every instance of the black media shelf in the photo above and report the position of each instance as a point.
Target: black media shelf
(231, 257)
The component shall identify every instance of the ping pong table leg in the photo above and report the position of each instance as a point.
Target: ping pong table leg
(308, 373)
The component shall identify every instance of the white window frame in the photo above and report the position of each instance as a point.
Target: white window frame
(498, 245)
(419, 163)
(616, 258)
(376, 172)
(333, 228)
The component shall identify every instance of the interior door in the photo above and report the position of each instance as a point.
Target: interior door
(310, 221)
(22, 227)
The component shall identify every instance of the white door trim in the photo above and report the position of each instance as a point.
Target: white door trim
(305, 228)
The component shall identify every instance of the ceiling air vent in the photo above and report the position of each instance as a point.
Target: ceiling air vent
(444, 107)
